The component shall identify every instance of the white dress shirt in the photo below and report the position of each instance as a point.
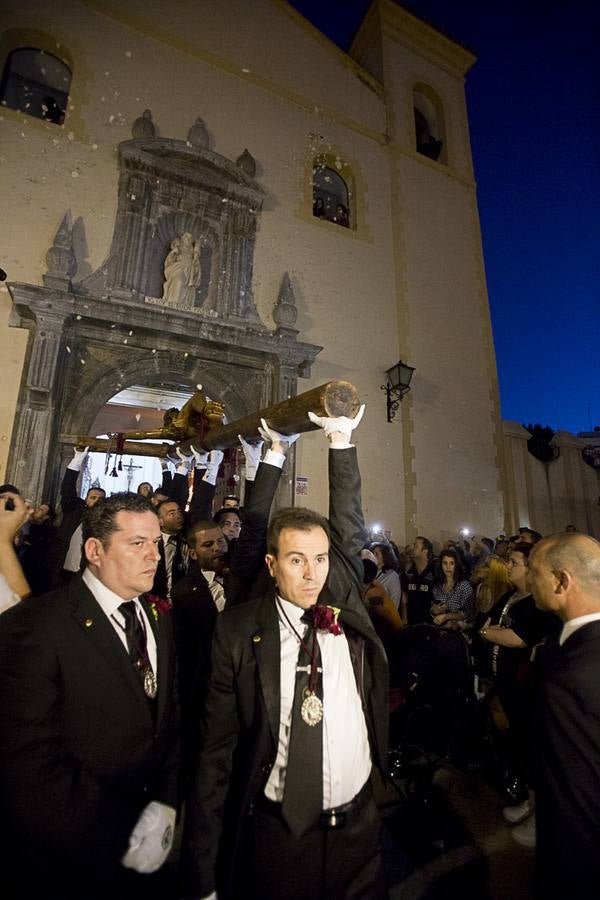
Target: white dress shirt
(170, 548)
(346, 753)
(72, 561)
(109, 603)
(8, 597)
(216, 588)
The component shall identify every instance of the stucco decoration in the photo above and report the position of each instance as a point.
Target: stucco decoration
(198, 135)
(144, 127)
(183, 272)
(247, 163)
(285, 312)
(60, 257)
(172, 304)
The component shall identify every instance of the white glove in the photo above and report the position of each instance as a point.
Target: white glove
(252, 454)
(338, 428)
(78, 458)
(183, 466)
(269, 434)
(215, 458)
(151, 839)
(200, 457)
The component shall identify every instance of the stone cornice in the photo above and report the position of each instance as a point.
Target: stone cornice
(404, 27)
(170, 329)
(190, 165)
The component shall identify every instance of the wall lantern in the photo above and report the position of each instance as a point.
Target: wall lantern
(398, 384)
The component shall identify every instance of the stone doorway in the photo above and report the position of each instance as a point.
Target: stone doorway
(128, 323)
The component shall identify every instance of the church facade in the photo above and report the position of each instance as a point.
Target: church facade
(213, 192)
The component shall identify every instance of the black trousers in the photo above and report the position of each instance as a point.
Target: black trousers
(325, 864)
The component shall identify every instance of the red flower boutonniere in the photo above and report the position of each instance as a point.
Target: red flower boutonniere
(325, 618)
(158, 605)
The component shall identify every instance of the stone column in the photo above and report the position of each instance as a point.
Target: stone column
(517, 493)
(35, 420)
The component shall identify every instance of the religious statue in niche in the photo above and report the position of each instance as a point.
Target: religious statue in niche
(183, 271)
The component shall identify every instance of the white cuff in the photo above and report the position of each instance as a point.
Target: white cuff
(274, 458)
(340, 445)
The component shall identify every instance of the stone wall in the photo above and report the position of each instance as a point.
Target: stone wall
(549, 496)
(406, 280)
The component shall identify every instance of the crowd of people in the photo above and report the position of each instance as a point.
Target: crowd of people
(160, 657)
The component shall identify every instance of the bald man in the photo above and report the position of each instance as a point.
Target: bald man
(564, 571)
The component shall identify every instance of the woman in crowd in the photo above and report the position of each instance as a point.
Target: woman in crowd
(387, 571)
(490, 582)
(514, 628)
(453, 605)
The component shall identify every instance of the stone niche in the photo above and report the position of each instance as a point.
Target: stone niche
(171, 304)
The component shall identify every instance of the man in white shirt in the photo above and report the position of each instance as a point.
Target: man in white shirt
(296, 716)
(88, 749)
(564, 577)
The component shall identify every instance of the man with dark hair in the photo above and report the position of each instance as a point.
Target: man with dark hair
(564, 575)
(202, 594)
(417, 593)
(63, 557)
(296, 716)
(528, 536)
(297, 518)
(173, 549)
(229, 521)
(197, 599)
(88, 751)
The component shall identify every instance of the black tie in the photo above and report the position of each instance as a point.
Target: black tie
(303, 790)
(136, 637)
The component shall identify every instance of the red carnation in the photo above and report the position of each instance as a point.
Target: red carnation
(325, 619)
(158, 605)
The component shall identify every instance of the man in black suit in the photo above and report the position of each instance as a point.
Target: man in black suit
(565, 579)
(88, 748)
(268, 818)
(173, 561)
(63, 556)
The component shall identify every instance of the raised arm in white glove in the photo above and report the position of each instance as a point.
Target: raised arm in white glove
(183, 466)
(252, 454)
(151, 840)
(280, 444)
(78, 458)
(200, 458)
(338, 429)
(215, 457)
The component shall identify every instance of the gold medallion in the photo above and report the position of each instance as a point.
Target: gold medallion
(150, 683)
(311, 709)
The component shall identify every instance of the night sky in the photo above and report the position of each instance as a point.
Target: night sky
(533, 98)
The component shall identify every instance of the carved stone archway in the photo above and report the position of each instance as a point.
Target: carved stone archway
(92, 339)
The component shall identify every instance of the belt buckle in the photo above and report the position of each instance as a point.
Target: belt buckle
(335, 820)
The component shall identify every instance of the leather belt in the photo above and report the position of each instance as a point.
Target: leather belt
(330, 819)
(340, 816)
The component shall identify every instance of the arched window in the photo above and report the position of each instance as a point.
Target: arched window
(429, 123)
(330, 195)
(36, 83)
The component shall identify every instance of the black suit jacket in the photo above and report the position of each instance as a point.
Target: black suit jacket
(241, 722)
(81, 750)
(73, 508)
(568, 770)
